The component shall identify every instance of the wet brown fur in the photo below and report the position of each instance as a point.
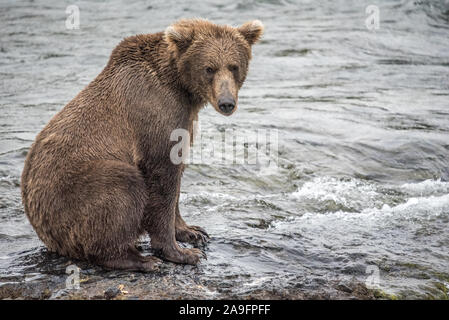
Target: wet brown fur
(99, 175)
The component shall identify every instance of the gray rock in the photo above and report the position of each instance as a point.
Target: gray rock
(111, 292)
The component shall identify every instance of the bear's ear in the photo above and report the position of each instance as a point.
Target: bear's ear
(251, 31)
(178, 37)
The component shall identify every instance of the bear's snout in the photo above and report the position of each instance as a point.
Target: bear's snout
(225, 91)
(226, 104)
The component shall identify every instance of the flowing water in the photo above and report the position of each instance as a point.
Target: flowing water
(360, 189)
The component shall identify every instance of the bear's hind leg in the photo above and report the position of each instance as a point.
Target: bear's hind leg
(113, 197)
(132, 261)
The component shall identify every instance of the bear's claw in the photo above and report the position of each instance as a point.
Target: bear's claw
(192, 234)
(199, 229)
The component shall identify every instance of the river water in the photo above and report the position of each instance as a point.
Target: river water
(359, 192)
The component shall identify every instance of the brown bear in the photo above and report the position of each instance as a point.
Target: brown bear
(99, 175)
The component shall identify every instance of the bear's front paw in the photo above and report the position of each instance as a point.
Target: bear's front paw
(183, 255)
(192, 234)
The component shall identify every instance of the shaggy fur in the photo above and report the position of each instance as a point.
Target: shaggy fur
(99, 175)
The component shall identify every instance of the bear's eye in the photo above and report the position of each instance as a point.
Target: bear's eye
(233, 68)
(209, 70)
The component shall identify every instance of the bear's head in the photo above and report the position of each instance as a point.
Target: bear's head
(212, 60)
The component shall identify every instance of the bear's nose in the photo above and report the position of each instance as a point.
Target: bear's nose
(226, 104)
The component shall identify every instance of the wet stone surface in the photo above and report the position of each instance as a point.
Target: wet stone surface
(171, 281)
(358, 195)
